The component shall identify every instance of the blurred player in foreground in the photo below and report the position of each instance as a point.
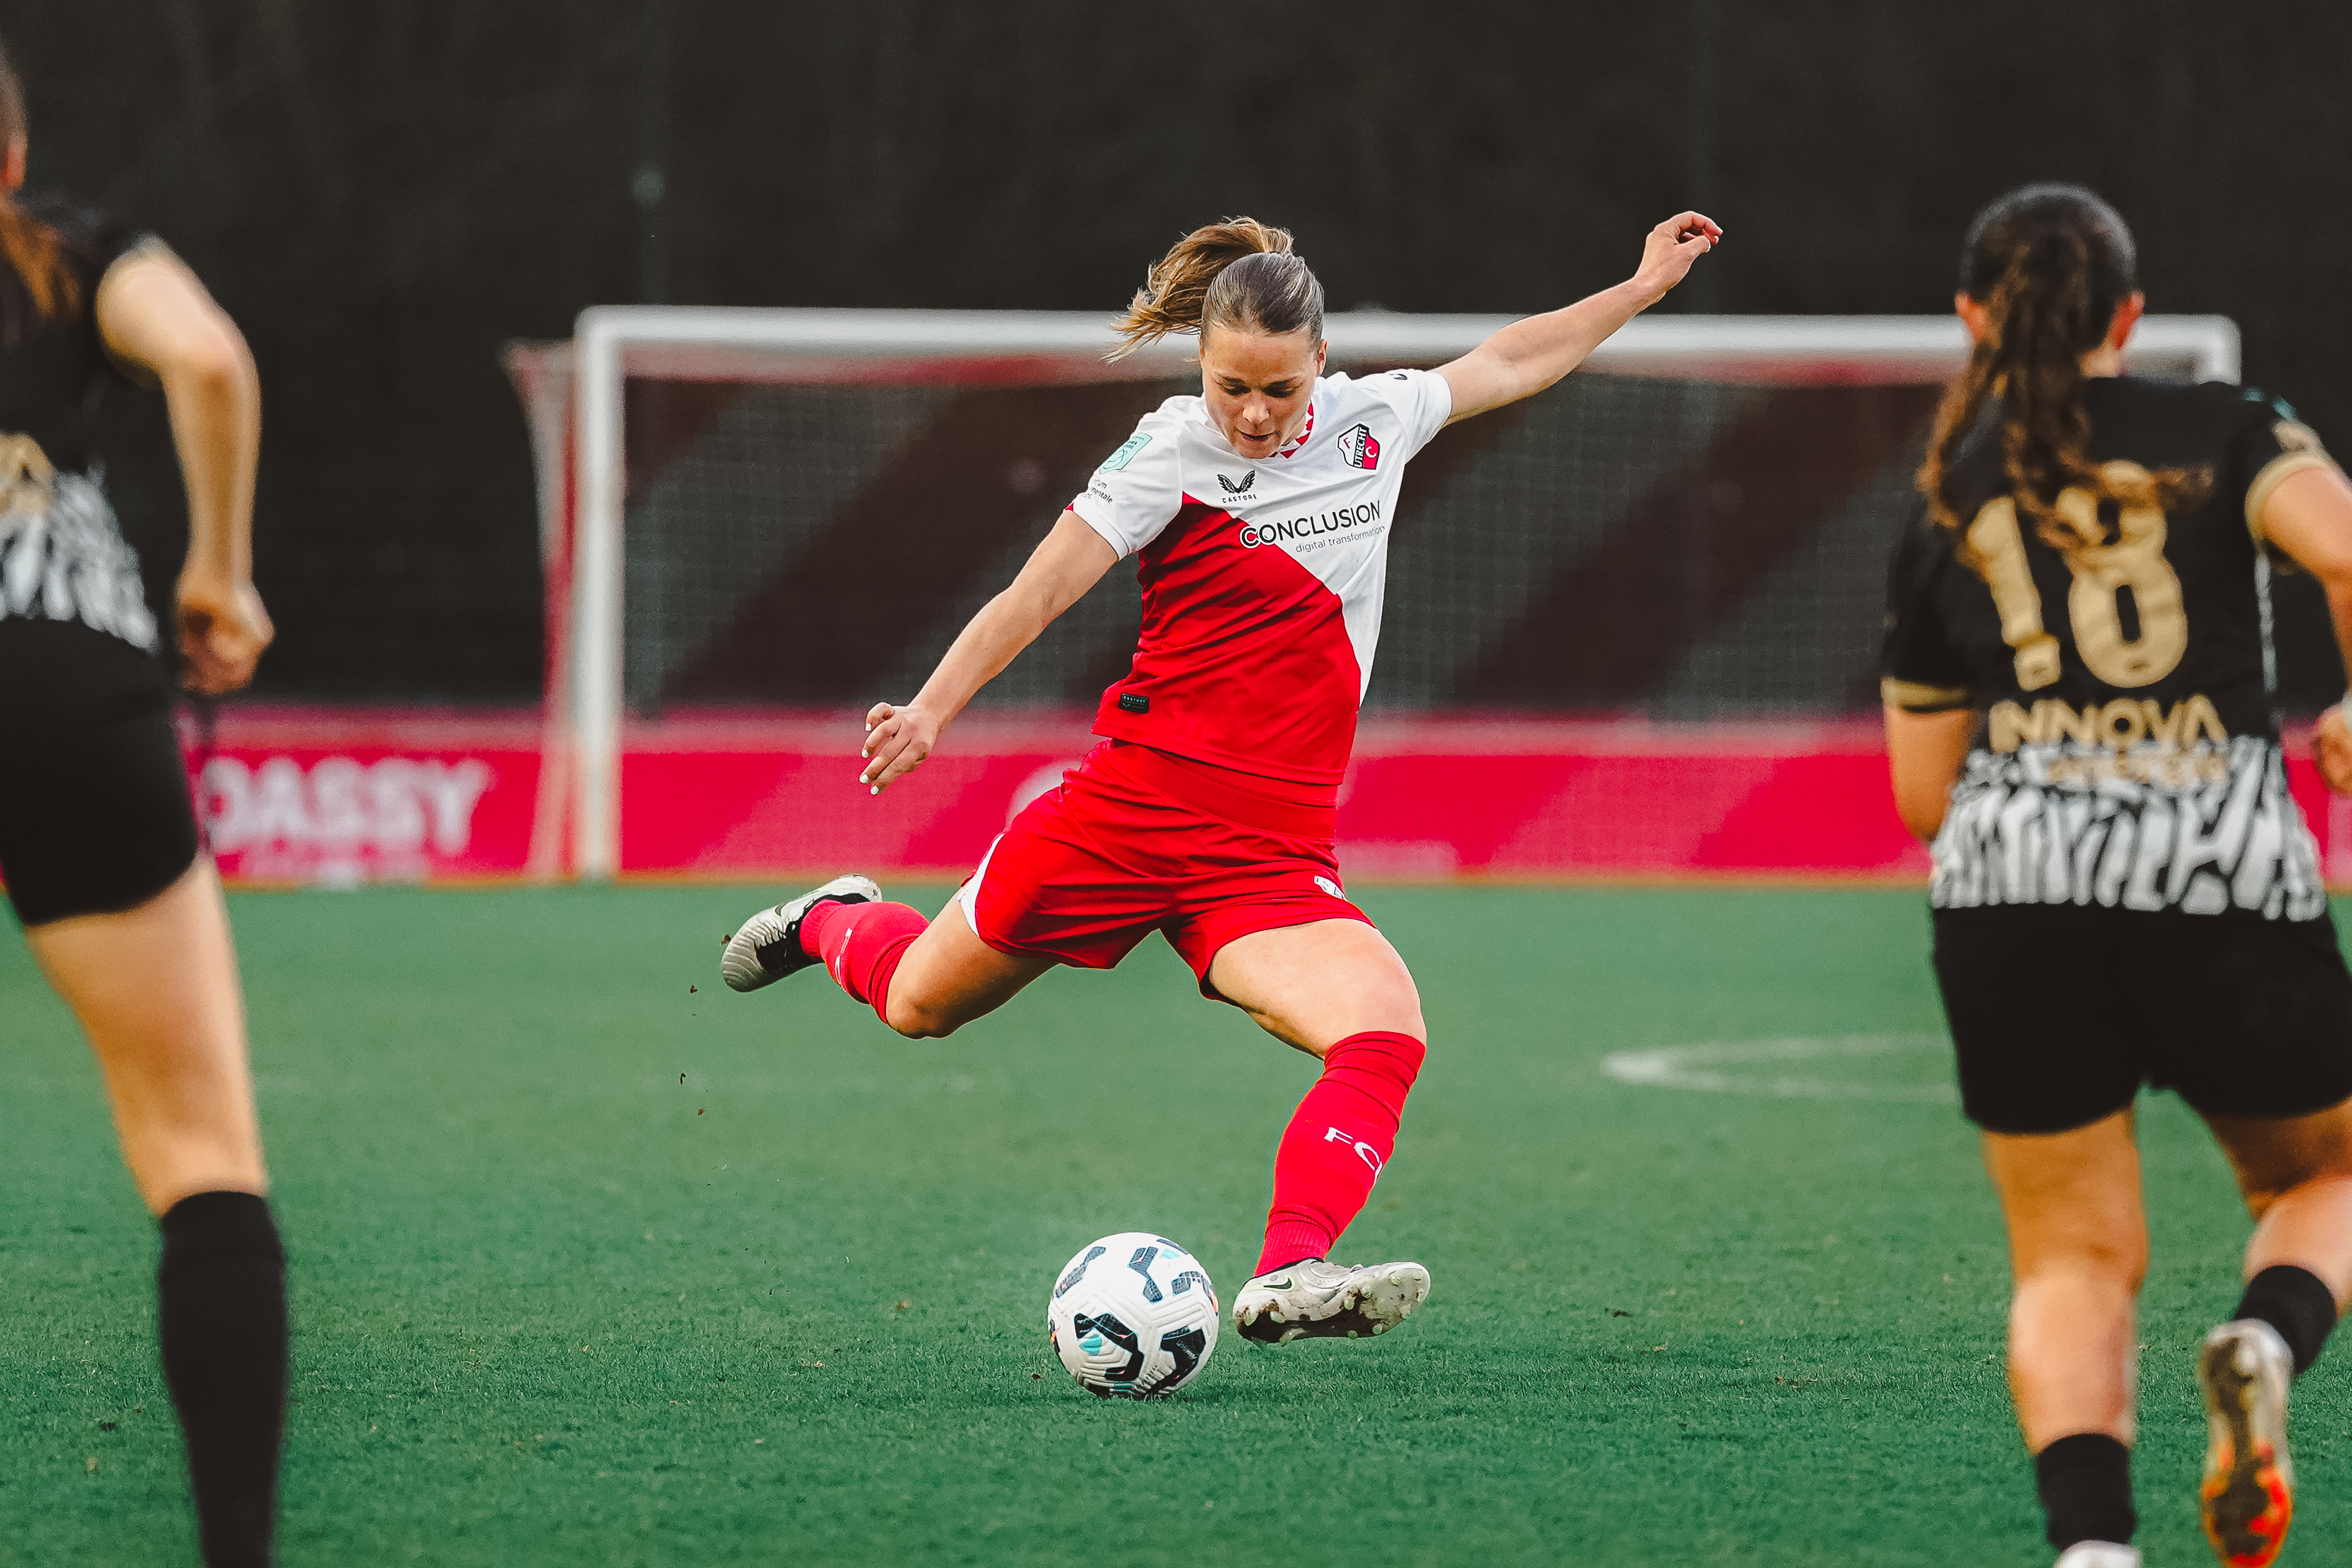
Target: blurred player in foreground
(98, 839)
(2079, 706)
(1260, 513)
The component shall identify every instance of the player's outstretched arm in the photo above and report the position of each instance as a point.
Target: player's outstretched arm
(153, 313)
(1071, 560)
(1528, 356)
(2309, 516)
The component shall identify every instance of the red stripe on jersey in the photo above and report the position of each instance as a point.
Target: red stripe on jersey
(1243, 659)
(1305, 432)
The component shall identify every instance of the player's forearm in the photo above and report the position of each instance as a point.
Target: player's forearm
(216, 409)
(1540, 350)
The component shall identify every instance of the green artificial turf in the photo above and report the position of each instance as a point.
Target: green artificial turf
(592, 1269)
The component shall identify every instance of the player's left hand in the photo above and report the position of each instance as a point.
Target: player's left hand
(2332, 743)
(1671, 248)
(223, 630)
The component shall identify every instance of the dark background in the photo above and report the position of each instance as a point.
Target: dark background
(382, 194)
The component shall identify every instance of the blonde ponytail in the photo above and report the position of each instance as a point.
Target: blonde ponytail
(1239, 273)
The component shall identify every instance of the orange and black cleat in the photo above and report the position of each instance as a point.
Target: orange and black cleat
(2247, 1499)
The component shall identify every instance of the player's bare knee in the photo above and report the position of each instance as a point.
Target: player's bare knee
(2134, 1267)
(2117, 1260)
(919, 1021)
(2114, 1254)
(2078, 1283)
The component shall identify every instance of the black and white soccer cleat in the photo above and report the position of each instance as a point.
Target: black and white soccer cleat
(768, 946)
(1316, 1299)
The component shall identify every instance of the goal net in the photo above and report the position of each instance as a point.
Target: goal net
(763, 509)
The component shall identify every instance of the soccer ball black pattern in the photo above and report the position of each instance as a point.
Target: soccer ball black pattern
(1133, 1315)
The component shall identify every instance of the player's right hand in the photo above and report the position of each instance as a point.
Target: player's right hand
(223, 630)
(1669, 249)
(897, 741)
(2332, 743)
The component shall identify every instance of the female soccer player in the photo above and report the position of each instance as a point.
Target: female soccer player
(98, 841)
(2079, 691)
(1260, 512)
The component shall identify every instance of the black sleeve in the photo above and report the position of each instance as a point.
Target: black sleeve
(93, 242)
(1919, 670)
(96, 241)
(2267, 443)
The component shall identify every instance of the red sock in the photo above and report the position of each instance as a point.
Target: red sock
(861, 945)
(1339, 1139)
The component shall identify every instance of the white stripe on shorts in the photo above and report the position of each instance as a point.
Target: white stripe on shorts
(969, 894)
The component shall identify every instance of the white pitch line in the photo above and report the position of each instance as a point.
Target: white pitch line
(1702, 1068)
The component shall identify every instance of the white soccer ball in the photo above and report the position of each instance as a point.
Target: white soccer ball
(1134, 1316)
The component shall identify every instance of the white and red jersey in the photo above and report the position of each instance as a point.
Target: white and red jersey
(1262, 580)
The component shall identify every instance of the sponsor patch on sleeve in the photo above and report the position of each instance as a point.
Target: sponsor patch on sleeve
(1125, 453)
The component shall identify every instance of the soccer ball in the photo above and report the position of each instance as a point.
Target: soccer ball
(1133, 1315)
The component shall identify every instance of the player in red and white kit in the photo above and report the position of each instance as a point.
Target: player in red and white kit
(1259, 514)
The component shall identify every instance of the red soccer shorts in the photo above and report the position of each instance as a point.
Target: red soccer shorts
(1089, 869)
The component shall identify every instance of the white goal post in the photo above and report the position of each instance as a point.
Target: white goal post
(614, 343)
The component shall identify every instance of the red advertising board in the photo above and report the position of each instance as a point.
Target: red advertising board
(323, 797)
(314, 796)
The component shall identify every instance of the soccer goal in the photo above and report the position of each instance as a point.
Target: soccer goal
(750, 511)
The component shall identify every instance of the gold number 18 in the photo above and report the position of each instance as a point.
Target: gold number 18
(2101, 571)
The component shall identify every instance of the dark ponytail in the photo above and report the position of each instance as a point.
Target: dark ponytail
(1238, 273)
(2049, 264)
(31, 249)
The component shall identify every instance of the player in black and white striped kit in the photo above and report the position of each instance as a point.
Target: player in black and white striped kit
(2080, 695)
(98, 839)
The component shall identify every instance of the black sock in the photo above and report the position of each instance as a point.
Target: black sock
(2296, 1302)
(221, 1315)
(2085, 1486)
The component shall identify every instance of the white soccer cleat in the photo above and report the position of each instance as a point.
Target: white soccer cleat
(2099, 1554)
(767, 947)
(1328, 1301)
(2247, 1499)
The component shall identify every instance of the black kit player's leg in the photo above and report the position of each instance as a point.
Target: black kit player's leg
(155, 987)
(2078, 1250)
(221, 1317)
(2295, 1173)
(2264, 1055)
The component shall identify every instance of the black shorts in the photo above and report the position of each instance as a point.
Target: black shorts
(2060, 1012)
(95, 815)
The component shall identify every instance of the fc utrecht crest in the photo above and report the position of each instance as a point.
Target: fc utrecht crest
(1240, 486)
(1358, 450)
